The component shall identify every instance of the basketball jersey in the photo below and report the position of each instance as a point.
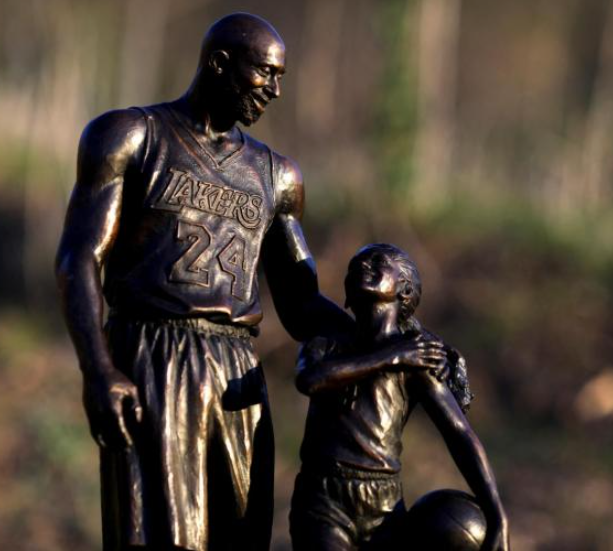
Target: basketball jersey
(191, 227)
(358, 427)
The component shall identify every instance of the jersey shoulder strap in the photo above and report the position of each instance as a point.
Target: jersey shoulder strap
(267, 156)
(151, 133)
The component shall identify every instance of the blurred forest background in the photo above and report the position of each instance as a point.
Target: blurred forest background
(478, 135)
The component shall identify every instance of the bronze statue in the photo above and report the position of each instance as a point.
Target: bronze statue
(363, 388)
(175, 202)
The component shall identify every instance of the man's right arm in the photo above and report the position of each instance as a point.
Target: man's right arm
(110, 146)
(290, 268)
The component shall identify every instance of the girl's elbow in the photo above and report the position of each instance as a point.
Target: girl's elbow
(304, 384)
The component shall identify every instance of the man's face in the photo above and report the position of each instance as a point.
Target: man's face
(254, 79)
(373, 276)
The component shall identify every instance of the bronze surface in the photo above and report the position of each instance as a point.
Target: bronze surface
(177, 205)
(362, 391)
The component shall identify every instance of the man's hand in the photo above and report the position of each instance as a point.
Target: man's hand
(111, 401)
(422, 355)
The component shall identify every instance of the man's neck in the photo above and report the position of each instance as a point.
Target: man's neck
(206, 113)
(219, 137)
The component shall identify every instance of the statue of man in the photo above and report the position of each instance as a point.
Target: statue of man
(176, 203)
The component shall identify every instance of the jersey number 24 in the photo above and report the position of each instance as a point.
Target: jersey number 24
(194, 266)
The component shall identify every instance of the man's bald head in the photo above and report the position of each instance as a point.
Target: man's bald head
(241, 63)
(238, 33)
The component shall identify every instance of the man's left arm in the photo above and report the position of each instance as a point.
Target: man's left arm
(290, 268)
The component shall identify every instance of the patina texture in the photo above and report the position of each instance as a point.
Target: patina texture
(363, 388)
(177, 204)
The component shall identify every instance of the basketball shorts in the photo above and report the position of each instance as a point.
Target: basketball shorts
(200, 473)
(344, 513)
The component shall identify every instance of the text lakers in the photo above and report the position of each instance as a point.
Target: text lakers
(182, 190)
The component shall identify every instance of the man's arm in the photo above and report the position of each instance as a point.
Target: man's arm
(468, 454)
(290, 268)
(318, 373)
(110, 145)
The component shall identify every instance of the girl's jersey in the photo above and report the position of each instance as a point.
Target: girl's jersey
(358, 427)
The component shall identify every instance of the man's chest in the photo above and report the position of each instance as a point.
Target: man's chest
(203, 194)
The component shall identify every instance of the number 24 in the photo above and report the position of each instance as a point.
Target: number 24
(193, 266)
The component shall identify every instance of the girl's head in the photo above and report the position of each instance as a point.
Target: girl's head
(384, 273)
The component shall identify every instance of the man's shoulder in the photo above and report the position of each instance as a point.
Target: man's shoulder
(131, 118)
(114, 128)
(289, 185)
(287, 171)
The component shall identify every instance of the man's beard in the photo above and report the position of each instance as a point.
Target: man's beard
(242, 105)
(245, 110)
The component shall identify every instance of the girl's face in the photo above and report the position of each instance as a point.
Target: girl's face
(372, 275)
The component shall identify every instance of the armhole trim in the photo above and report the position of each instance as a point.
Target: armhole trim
(146, 114)
(272, 178)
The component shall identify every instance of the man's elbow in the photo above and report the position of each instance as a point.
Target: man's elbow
(294, 322)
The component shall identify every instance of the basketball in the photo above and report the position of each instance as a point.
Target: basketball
(445, 520)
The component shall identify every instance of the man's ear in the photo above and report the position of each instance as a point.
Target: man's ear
(218, 61)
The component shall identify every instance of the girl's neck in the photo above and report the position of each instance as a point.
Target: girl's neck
(378, 323)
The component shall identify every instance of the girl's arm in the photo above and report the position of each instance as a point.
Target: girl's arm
(468, 454)
(317, 372)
